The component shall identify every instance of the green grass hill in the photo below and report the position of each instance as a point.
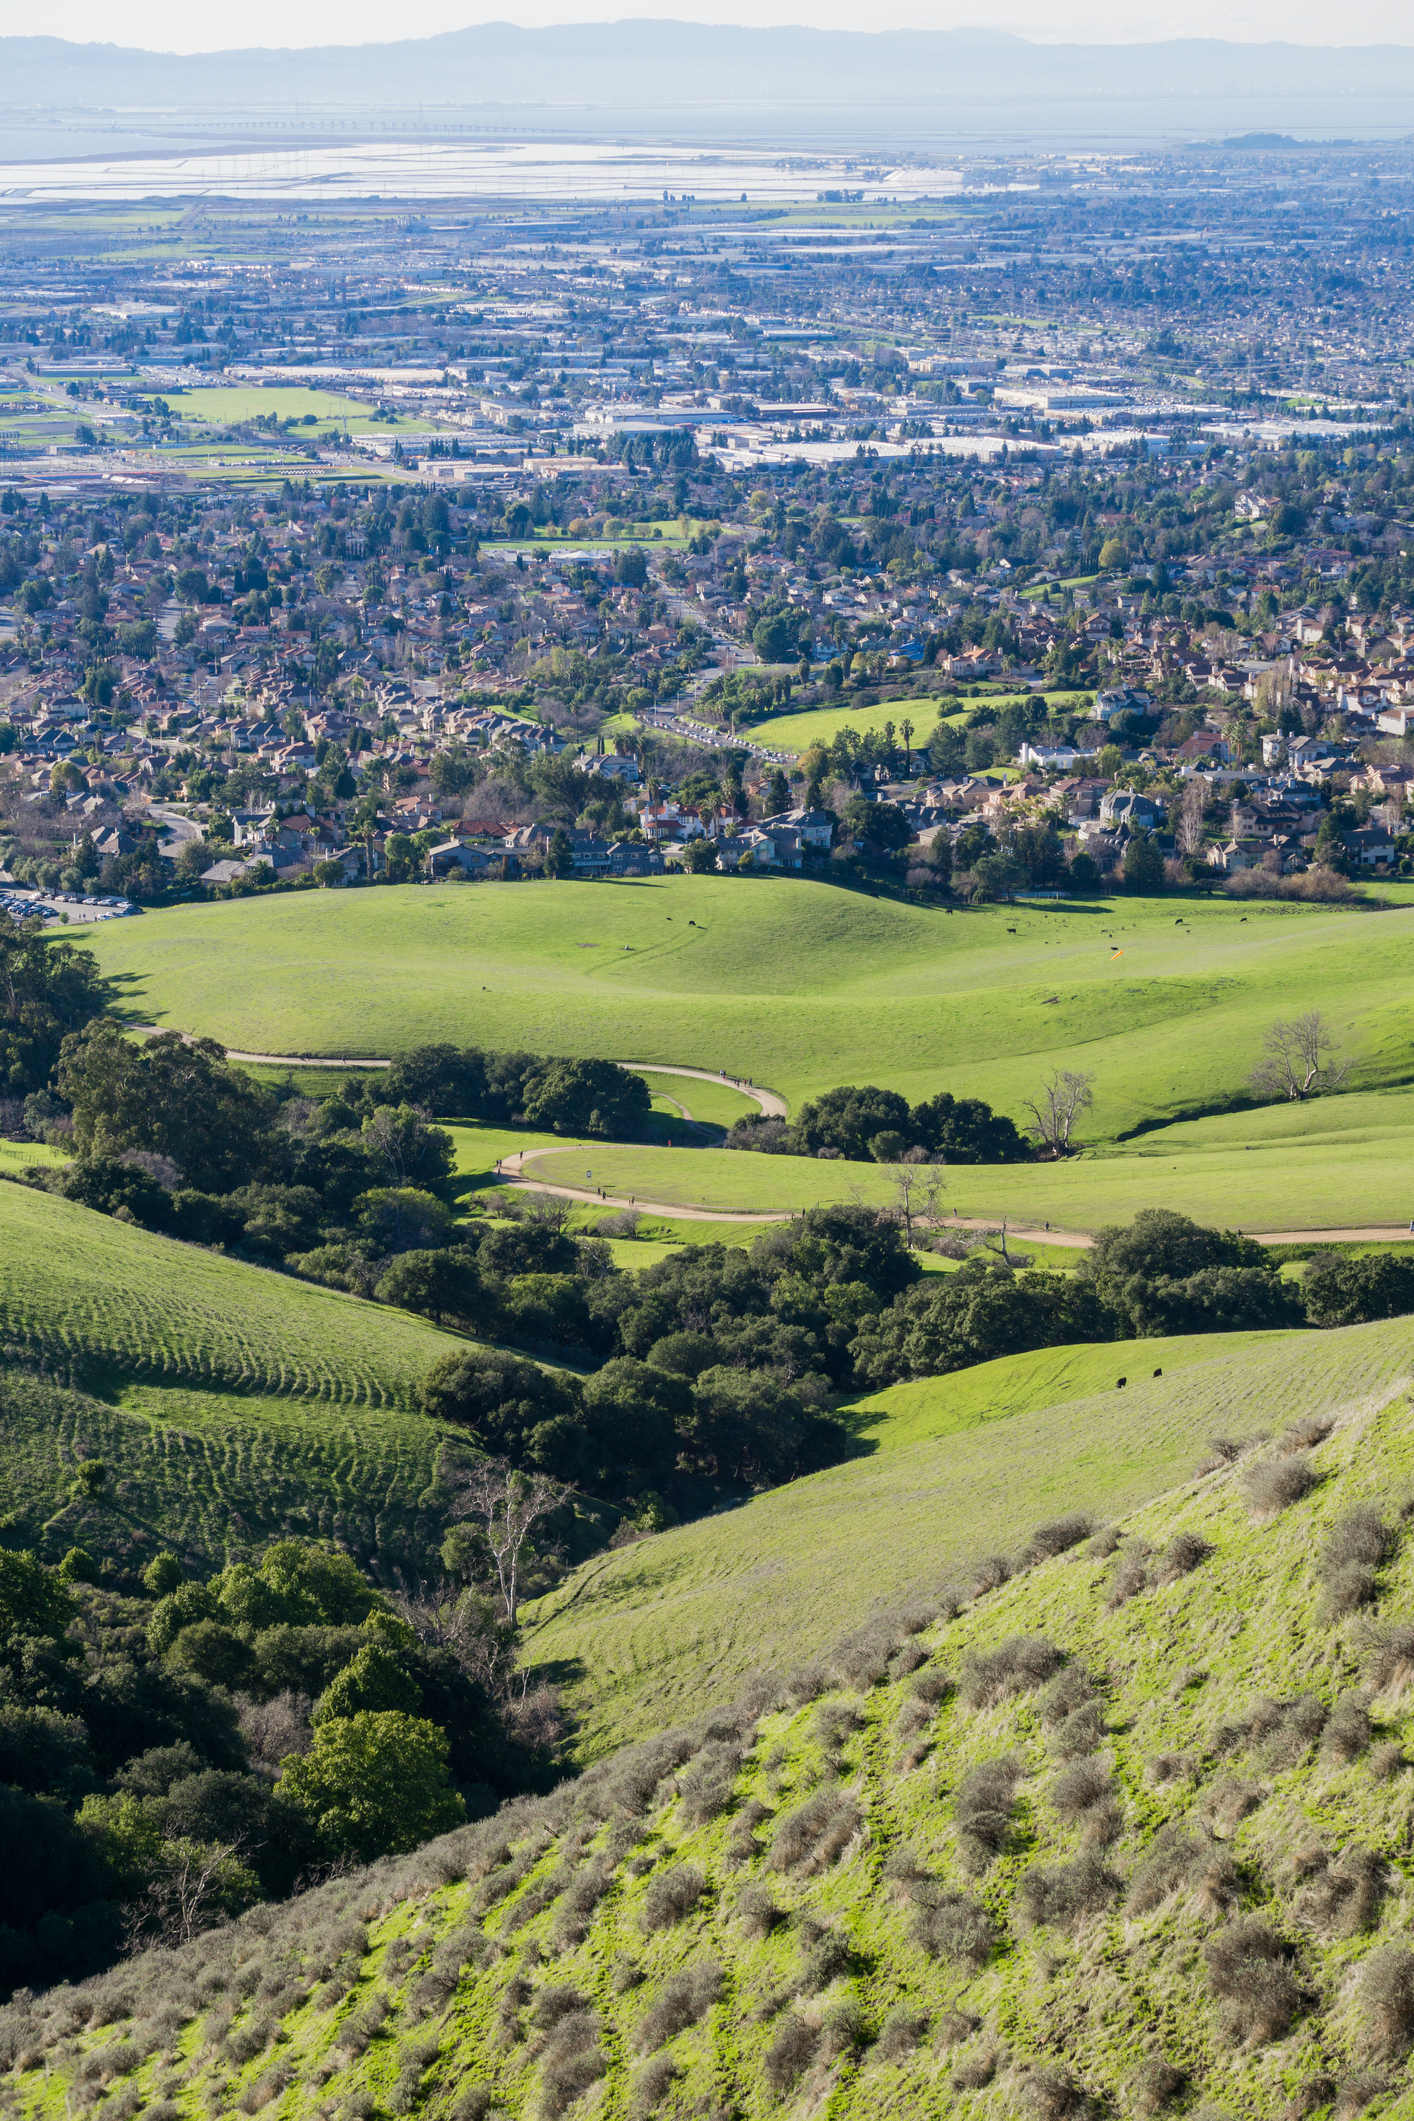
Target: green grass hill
(230, 1404)
(796, 984)
(1127, 1833)
(648, 1634)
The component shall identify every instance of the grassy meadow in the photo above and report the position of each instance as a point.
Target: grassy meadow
(795, 984)
(659, 1631)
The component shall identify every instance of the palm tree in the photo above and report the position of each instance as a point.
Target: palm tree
(905, 730)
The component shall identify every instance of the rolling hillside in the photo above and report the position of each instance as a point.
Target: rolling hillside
(794, 983)
(1126, 1834)
(230, 1404)
(651, 1633)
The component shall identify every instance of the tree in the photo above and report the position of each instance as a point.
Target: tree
(700, 857)
(559, 855)
(998, 876)
(883, 824)
(1062, 1099)
(374, 1784)
(1299, 1059)
(372, 1681)
(1112, 556)
(918, 1190)
(631, 568)
(774, 638)
(326, 874)
(47, 990)
(587, 1097)
(412, 1152)
(432, 1283)
(1143, 863)
(172, 1096)
(505, 1504)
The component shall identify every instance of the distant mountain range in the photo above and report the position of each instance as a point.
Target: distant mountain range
(649, 73)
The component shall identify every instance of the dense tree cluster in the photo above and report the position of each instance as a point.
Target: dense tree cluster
(189, 1751)
(864, 1123)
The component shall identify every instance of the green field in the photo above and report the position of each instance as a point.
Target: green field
(659, 1631)
(1294, 1182)
(795, 984)
(821, 725)
(286, 401)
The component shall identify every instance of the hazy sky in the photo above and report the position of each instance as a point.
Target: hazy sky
(174, 25)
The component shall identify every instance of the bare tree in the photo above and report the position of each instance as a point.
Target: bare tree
(201, 1884)
(1299, 1059)
(1062, 1100)
(505, 1503)
(462, 1620)
(918, 1188)
(1189, 827)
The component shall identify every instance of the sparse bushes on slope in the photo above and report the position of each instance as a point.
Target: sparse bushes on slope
(1015, 1666)
(1250, 1972)
(983, 1808)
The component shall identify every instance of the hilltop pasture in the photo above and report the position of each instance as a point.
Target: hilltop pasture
(796, 984)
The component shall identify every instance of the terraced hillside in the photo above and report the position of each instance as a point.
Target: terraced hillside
(1126, 1833)
(230, 1404)
(650, 1633)
(99, 1296)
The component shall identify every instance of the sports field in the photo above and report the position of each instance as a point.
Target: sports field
(821, 725)
(658, 1632)
(794, 984)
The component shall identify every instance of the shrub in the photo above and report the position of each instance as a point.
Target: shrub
(989, 1574)
(672, 1895)
(954, 2027)
(1021, 1662)
(709, 1785)
(757, 1911)
(1131, 1576)
(1387, 2000)
(571, 2061)
(1277, 1483)
(1081, 1733)
(1157, 2084)
(555, 2003)
(1343, 1898)
(983, 1808)
(652, 2085)
(1078, 1789)
(971, 2073)
(1057, 1537)
(1306, 1434)
(1182, 1556)
(683, 1999)
(1392, 1666)
(791, 2053)
(1054, 2095)
(1347, 1732)
(1063, 1894)
(899, 2035)
(1359, 1535)
(816, 1833)
(826, 1958)
(1069, 1691)
(1250, 1973)
(1347, 1589)
(1387, 1760)
(950, 1925)
(1169, 1861)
